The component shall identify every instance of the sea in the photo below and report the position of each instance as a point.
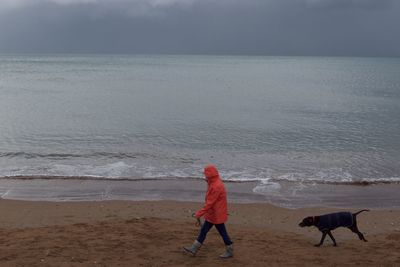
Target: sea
(263, 119)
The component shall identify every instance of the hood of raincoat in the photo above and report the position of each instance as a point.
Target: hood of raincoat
(211, 173)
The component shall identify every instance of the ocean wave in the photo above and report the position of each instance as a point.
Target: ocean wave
(89, 177)
(365, 181)
(138, 170)
(270, 183)
(110, 155)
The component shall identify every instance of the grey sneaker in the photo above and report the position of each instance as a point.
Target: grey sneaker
(193, 248)
(228, 252)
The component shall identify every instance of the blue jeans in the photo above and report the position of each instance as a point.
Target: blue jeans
(221, 230)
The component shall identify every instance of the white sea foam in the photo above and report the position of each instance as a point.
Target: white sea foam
(266, 186)
(112, 170)
(331, 175)
(133, 171)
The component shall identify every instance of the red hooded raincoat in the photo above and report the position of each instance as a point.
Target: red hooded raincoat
(216, 209)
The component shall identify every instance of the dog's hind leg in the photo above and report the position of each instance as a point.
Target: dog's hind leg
(354, 229)
(322, 239)
(333, 239)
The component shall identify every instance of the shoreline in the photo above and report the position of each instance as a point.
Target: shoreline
(152, 233)
(292, 195)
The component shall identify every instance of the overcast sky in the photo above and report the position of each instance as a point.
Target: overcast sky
(249, 27)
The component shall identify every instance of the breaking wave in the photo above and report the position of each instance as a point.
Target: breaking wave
(121, 170)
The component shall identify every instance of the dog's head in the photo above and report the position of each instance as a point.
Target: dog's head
(308, 221)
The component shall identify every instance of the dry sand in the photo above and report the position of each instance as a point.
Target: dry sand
(129, 233)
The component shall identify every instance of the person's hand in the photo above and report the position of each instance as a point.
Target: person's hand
(198, 221)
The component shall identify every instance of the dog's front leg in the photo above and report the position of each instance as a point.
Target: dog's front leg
(333, 239)
(322, 239)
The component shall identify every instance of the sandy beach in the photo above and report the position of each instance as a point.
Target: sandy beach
(152, 233)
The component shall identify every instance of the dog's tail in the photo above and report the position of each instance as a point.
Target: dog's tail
(360, 212)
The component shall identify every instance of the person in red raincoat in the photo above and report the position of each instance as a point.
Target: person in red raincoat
(215, 212)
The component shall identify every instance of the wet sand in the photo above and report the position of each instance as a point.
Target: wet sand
(284, 194)
(152, 233)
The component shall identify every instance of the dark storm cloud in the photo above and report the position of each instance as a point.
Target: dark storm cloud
(267, 27)
(366, 4)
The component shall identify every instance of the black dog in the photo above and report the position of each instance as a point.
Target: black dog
(328, 222)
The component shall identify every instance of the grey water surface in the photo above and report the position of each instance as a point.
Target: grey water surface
(313, 119)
